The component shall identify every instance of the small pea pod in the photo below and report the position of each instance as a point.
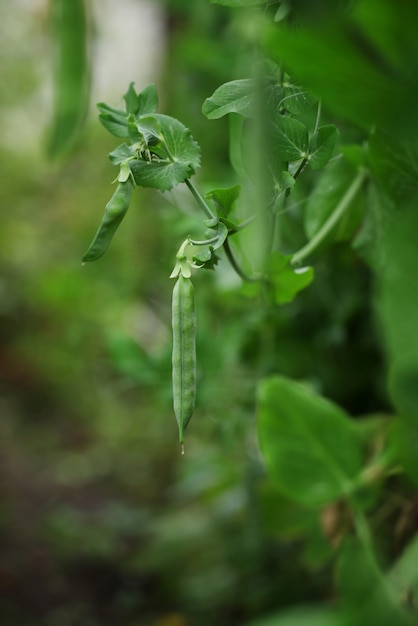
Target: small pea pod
(115, 211)
(184, 352)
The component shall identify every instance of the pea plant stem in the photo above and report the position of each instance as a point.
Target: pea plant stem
(200, 200)
(333, 219)
(232, 260)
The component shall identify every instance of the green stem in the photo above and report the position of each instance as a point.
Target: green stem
(297, 173)
(232, 260)
(318, 116)
(204, 242)
(335, 216)
(200, 200)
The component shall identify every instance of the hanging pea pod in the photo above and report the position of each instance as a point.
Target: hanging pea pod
(71, 79)
(115, 211)
(184, 352)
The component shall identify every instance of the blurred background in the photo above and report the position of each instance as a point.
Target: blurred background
(102, 521)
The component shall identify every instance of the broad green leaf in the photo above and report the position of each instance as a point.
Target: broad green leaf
(121, 154)
(380, 213)
(368, 596)
(322, 145)
(70, 73)
(159, 175)
(290, 138)
(296, 99)
(333, 183)
(395, 165)
(148, 100)
(114, 120)
(286, 280)
(323, 56)
(236, 96)
(308, 443)
(302, 616)
(131, 100)
(398, 306)
(182, 157)
(224, 199)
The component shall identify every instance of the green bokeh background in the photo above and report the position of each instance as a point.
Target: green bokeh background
(102, 521)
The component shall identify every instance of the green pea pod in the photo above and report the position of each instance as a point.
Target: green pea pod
(69, 38)
(184, 352)
(115, 211)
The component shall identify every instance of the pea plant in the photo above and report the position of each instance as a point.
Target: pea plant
(288, 161)
(162, 154)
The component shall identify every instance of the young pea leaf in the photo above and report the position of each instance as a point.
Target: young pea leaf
(148, 100)
(114, 120)
(322, 145)
(286, 280)
(206, 258)
(236, 96)
(310, 448)
(125, 172)
(121, 154)
(149, 127)
(290, 139)
(131, 100)
(178, 157)
(224, 199)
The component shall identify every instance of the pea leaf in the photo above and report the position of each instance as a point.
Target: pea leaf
(182, 156)
(296, 99)
(286, 280)
(308, 443)
(323, 58)
(224, 199)
(329, 190)
(148, 100)
(121, 154)
(368, 597)
(404, 574)
(114, 120)
(236, 96)
(290, 138)
(395, 164)
(131, 100)
(322, 145)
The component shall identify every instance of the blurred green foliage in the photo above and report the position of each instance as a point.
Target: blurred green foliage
(102, 521)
